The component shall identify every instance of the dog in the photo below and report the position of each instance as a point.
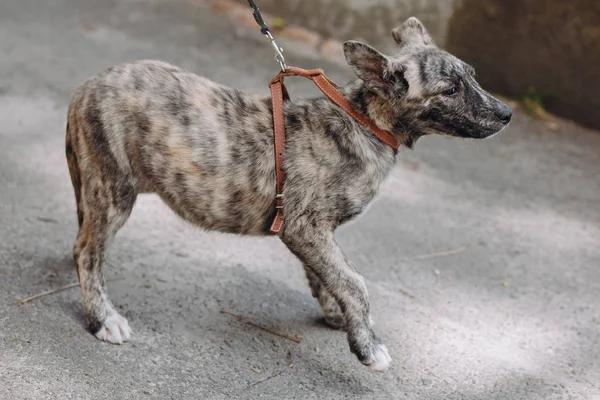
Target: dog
(207, 151)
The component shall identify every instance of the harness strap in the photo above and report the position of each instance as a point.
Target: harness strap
(278, 95)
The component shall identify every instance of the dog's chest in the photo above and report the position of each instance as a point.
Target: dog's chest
(356, 198)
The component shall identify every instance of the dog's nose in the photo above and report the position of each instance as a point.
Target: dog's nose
(504, 113)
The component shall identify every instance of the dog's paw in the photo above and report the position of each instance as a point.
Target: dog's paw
(115, 329)
(380, 358)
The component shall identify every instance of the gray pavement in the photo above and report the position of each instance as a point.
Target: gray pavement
(513, 316)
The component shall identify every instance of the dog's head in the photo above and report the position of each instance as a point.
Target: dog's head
(423, 89)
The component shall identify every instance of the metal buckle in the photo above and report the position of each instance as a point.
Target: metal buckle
(278, 51)
(278, 196)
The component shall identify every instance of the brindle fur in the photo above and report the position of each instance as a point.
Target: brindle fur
(207, 151)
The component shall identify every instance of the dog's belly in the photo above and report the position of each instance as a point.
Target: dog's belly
(229, 212)
(198, 178)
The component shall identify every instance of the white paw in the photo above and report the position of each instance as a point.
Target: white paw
(115, 329)
(380, 359)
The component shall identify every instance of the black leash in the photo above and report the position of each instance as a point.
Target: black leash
(258, 18)
(264, 29)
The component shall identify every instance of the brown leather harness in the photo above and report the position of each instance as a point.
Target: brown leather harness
(279, 94)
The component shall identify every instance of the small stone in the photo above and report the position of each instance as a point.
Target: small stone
(552, 126)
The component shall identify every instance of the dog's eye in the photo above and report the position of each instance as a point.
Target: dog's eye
(451, 92)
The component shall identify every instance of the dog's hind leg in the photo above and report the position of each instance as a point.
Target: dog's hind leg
(101, 220)
(105, 199)
(331, 310)
(316, 248)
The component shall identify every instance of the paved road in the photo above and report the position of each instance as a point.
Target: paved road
(513, 316)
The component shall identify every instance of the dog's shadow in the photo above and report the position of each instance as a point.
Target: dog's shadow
(57, 270)
(58, 275)
(262, 301)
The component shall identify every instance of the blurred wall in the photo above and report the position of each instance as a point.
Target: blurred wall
(552, 46)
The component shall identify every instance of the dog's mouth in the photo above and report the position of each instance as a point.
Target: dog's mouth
(491, 135)
(492, 126)
(472, 131)
(502, 115)
(487, 132)
(498, 127)
(489, 122)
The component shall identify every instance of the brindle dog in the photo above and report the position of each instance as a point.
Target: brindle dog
(207, 151)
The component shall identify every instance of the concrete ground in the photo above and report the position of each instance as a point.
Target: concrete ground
(512, 314)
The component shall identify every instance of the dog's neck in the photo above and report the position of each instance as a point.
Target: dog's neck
(378, 110)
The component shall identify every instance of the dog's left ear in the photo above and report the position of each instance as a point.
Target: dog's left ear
(412, 32)
(370, 65)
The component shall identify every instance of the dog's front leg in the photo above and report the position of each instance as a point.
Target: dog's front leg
(319, 252)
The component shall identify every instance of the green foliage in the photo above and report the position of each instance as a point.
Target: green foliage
(278, 23)
(533, 103)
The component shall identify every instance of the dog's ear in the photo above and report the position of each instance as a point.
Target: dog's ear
(412, 33)
(370, 65)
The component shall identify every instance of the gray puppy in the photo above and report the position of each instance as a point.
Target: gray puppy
(207, 151)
